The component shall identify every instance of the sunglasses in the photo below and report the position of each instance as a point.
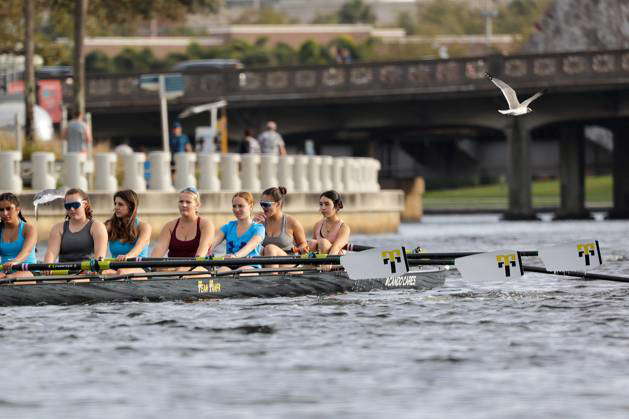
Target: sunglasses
(190, 189)
(266, 204)
(70, 205)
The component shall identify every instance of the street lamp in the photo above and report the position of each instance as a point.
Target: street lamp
(489, 12)
(213, 108)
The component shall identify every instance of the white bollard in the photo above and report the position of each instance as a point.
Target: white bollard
(249, 173)
(44, 176)
(230, 178)
(285, 172)
(314, 173)
(10, 176)
(74, 170)
(208, 172)
(326, 173)
(338, 163)
(374, 169)
(359, 174)
(105, 172)
(133, 164)
(269, 171)
(349, 174)
(161, 179)
(185, 168)
(300, 174)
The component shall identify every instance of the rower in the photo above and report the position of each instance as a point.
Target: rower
(189, 235)
(17, 238)
(284, 233)
(331, 234)
(128, 236)
(80, 237)
(243, 237)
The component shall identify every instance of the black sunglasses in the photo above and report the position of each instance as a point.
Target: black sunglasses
(75, 205)
(266, 204)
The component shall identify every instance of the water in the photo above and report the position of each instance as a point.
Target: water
(543, 347)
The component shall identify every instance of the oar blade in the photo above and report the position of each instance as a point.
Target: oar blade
(376, 263)
(578, 257)
(490, 267)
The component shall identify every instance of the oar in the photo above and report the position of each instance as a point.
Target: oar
(585, 275)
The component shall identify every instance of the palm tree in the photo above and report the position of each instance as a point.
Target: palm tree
(80, 15)
(29, 70)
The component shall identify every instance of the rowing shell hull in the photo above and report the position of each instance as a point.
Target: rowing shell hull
(190, 289)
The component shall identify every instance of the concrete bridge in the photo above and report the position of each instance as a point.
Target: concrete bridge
(387, 98)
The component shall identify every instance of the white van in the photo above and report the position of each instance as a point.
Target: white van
(43, 122)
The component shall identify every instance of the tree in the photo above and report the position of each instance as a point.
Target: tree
(29, 70)
(355, 11)
(78, 66)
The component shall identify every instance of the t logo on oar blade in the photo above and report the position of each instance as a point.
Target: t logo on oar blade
(507, 262)
(392, 257)
(586, 250)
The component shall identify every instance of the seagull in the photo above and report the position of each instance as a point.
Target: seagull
(515, 107)
(46, 196)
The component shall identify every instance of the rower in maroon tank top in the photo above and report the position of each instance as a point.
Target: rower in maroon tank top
(189, 235)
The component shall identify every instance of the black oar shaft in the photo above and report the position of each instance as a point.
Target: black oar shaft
(584, 275)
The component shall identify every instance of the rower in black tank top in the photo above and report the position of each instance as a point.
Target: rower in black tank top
(76, 246)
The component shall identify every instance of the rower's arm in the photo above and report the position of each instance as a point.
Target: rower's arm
(99, 234)
(299, 235)
(341, 240)
(251, 244)
(159, 251)
(30, 241)
(207, 233)
(54, 244)
(218, 239)
(144, 238)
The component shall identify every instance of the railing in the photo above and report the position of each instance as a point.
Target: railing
(208, 172)
(368, 79)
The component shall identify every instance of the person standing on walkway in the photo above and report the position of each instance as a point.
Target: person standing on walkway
(271, 142)
(179, 142)
(249, 145)
(77, 134)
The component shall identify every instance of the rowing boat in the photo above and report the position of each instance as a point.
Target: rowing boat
(236, 284)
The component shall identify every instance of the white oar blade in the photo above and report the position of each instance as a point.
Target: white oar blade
(496, 266)
(375, 263)
(579, 257)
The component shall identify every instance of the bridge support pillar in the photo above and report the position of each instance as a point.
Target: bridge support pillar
(572, 174)
(620, 173)
(519, 172)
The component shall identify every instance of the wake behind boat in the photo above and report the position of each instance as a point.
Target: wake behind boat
(291, 283)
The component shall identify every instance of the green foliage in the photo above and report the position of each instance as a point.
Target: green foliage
(355, 11)
(450, 17)
(264, 16)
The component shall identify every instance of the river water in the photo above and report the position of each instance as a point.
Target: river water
(542, 347)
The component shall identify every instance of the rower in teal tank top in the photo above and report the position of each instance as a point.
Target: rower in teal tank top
(117, 247)
(10, 250)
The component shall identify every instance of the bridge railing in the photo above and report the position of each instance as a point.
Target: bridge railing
(208, 172)
(368, 79)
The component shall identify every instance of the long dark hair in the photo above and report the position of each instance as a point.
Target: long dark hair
(277, 193)
(335, 197)
(12, 198)
(125, 229)
(89, 212)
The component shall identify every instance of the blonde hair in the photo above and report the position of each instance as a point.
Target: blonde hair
(193, 191)
(247, 196)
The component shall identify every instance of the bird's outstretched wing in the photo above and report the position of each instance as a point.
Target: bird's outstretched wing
(47, 195)
(507, 91)
(528, 101)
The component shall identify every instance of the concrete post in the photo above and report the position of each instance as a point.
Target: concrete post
(230, 178)
(133, 165)
(285, 172)
(74, 170)
(10, 176)
(105, 172)
(300, 174)
(349, 175)
(314, 173)
(269, 171)
(208, 168)
(519, 172)
(249, 172)
(572, 174)
(185, 168)
(44, 176)
(620, 172)
(161, 178)
(326, 173)
(374, 169)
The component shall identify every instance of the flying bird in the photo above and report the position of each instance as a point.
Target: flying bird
(515, 107)
(46, 196)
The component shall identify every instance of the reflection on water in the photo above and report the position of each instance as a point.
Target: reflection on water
(542, 347)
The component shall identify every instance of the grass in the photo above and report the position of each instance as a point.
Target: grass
(598, 191)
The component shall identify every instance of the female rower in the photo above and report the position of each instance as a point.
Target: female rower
(283, 232)
(128, 236)
(331, 234)
(80, 237)
(17, 238)
(189, 235)
(243, 237)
